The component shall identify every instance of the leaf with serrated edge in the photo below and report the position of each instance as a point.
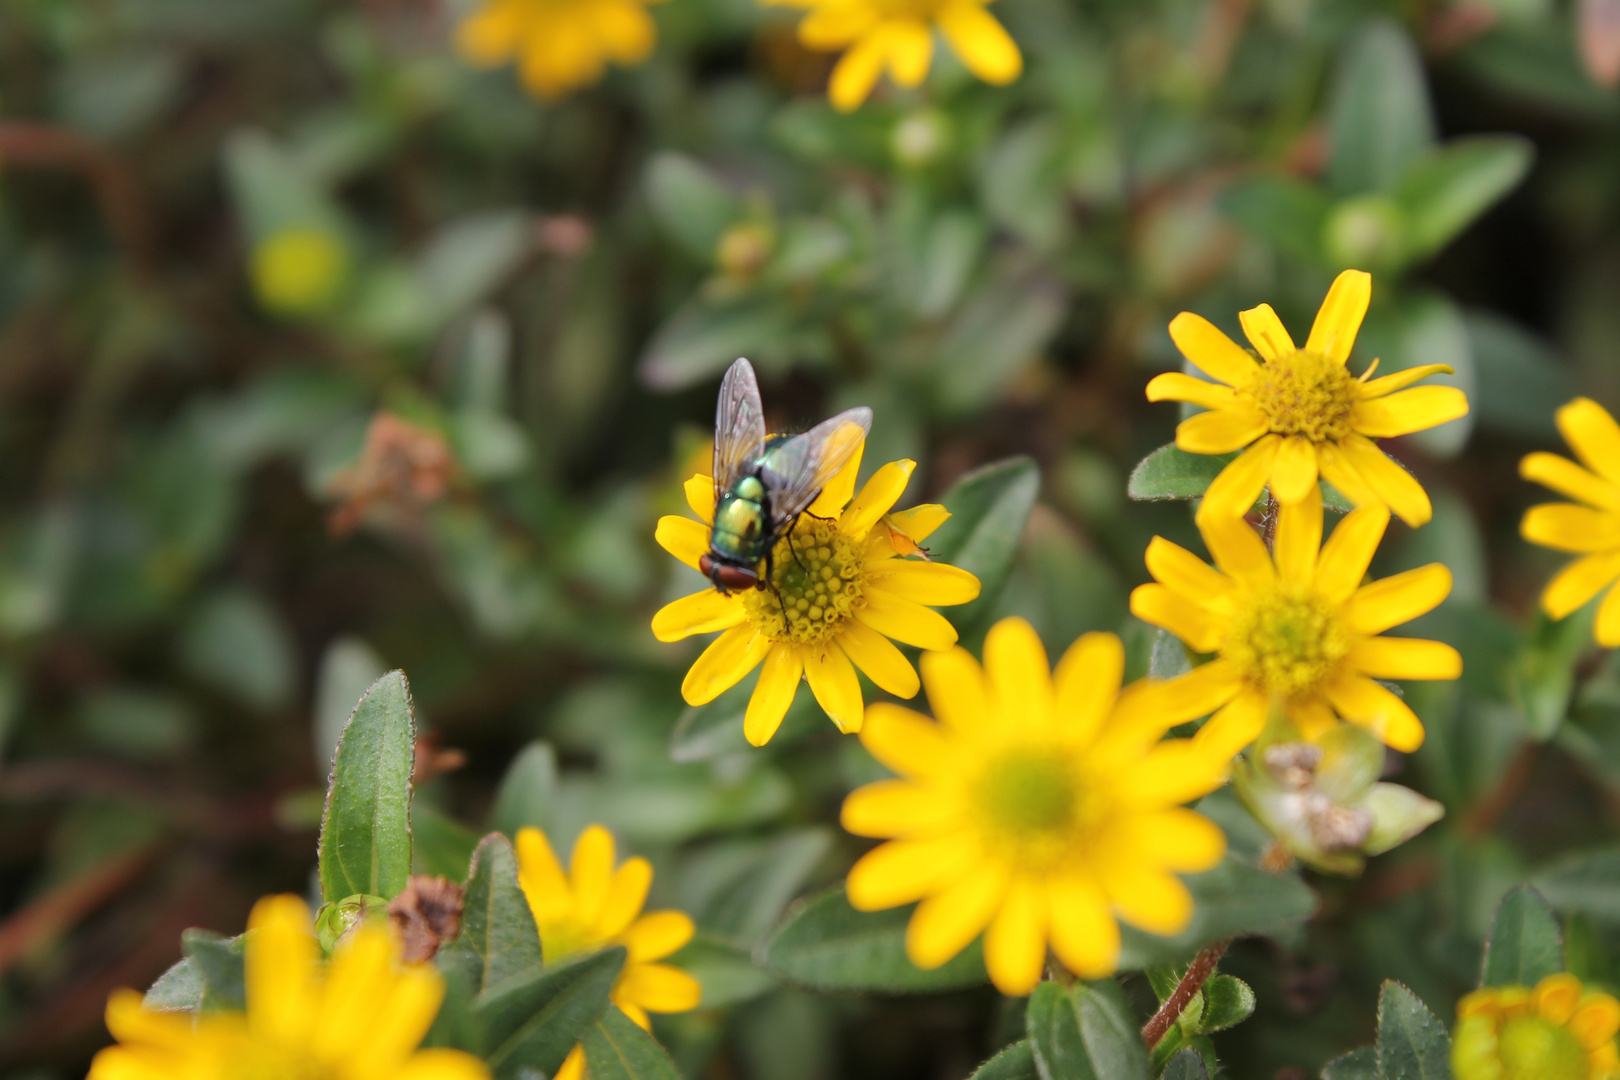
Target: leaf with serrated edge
(1052, 1020)
(1228, 1001)
(1526, 942)
(1186, 1065)
(179, 989)
(1112, 1035)
(1015, 1062)
(825, 944)
(1172, 473)
(1412, 1042)
(1359, 1064)
(497, 925)
(365, 844)
(533, 1020)
(616, 1049)
(220, 965)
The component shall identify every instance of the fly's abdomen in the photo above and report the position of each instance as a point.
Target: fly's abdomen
(739, 529)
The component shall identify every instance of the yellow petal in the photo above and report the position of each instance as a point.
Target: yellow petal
(1211, 351)
(1237, 724)
(1175, 771)
(590, 871)
(280, 969)
(931, 583)
(984, 46)
(833, 498)
(1398, 380)
(405, 1014)
(1220, 431)
(626, 894)
(1184, 573)
(354, 990)
(773, 693)
(902, 871)
(944, 924)
(1313, 716)
(1596, 1020)
(1337, 470)
(956, 688)
(1568, 527)
(857, 72)
(1299, 537)
(905, 742)
(1232, 492)
(1158, 606)
(490, 37)
(1015, 942)
(699, 613)
(659, 988)
(1087, 682)
(1174, 839)
(907, 622)
(1293, 474)
(1020, 677)
(700, 496)
(833, 681)
(624, 28)
(1399, 598)
(1178, 386)
(1149, 899)
(1198, 693)
(683, 538)
(878, 495)
(877, 657)
(1348, 552)
(541, 876)
(1405, 658)
(723, 664)
(1266, 332)
(834, 26)
(919, 522)
(894, 808)
(1607, 627)
(1237, 549)
(1594, 436)
(443, 1064)
(573, 1066)
(1568, 478)
(1364, 702)
(558, 56)
(657, 934)
(1396, 487)
(1410, 410)
(1084, 933)
(911, 49)
(1333, 334)
(1578, 582)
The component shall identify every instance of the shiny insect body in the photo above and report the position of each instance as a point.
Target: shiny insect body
(763, 483)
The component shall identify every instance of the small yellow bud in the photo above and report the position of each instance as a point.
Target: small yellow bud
(299, 271)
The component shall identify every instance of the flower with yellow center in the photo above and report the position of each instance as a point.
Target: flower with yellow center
(594, 906)
(899, 35)
(560, 45)
(360, 1017)
(1041, 806)
(1591, 530)
(1299, 412)
(1558, 1030)
(838, 591)
(1296, 631)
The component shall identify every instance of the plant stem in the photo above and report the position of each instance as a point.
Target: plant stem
(1202, 967)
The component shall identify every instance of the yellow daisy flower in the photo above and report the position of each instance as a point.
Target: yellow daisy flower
(1295, 630)
(560, 45)
(1300, 412)
(899, 35)
(1557, 1031)
(360, 1017)
(1591, 530)
(1041, 806)
(594, 906)
(845, 591)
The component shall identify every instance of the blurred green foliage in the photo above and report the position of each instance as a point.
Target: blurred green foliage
(322, 354)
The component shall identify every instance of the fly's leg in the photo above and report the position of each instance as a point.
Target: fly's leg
(791, 526)
(770, 583)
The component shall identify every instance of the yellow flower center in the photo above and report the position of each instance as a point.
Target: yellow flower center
(1534, 1048)
(1033, 804)
(1305, 394)
(1286, 645)
(816, 583)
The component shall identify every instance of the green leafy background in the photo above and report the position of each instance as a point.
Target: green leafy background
(184, 634)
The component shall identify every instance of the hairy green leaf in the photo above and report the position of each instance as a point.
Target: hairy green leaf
(531, 1021)
(1412, 1042)
(365, 844)
(989, 509)
(1525, 944)
(1015, 1062)
(616, 1049)
(1188, 1064)
(1359, 1064)
(219, 964)
(496, 924)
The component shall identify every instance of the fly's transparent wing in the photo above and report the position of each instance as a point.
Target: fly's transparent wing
(739, 425)
(805, 463)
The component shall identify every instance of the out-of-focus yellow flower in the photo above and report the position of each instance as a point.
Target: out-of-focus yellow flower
(1592, 529)
(300, 271)
(899, 35)
(1558, 1030)
(594, 906)
(359, 1018)
(838, 593)
(1296, 630)
(1300, 412)
(559, 45)
(1041, 806)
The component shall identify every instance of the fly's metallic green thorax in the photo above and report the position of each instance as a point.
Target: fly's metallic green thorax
(739, 523)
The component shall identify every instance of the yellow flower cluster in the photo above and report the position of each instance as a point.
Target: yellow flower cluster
(361, 1017)
(1297, 637)
(562, 45)
(1556, 1030)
